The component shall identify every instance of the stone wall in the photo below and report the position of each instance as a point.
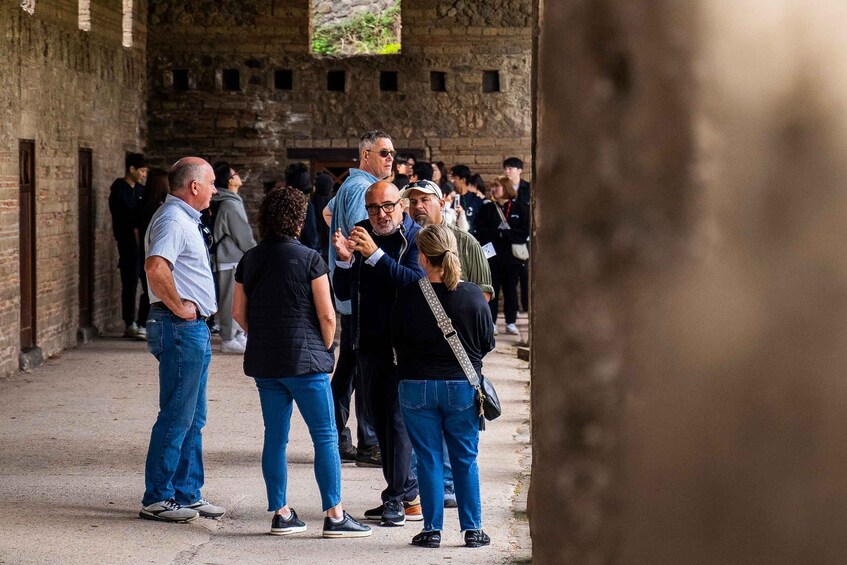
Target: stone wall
(687, 353)
(255, 126)
(65, 89)
(329, 12)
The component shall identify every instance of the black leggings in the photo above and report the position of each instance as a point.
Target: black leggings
(505, 277)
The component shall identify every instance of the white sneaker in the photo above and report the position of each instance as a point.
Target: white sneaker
(207, 509)
(168, 511)
(512, 329)
(241, 338)
(141, 334)
(131, 330)
(495, 329)
(232, 346)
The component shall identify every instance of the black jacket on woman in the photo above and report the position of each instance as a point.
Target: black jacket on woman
(285, 334)
(487, 230)
(422, 351)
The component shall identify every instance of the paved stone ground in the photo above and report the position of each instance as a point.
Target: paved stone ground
(73, 437)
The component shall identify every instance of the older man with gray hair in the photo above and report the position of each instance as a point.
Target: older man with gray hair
(182, 297)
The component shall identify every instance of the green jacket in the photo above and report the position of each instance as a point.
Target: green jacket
(475, 267)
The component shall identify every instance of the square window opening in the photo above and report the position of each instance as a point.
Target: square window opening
(335, 81)
(180, 79)
(388, 81)
(438, 81)
(491, 81)
(284, 79)
(231, 80)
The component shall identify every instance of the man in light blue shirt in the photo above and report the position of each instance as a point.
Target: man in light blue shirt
(182, 296)
(344, 211)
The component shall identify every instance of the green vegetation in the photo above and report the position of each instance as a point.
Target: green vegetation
(363, 34)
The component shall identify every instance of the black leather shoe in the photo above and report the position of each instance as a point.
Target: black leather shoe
(347, 453)
(349, 527)
(476, 538)
(369, 457)
(427, 539)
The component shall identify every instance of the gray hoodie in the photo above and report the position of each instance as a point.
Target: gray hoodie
(232, 230)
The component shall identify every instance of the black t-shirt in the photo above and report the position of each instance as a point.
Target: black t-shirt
(422, 351)
(285, 335)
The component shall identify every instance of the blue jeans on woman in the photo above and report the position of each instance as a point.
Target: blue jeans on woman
(436, 412)
(313, 396)
(174, 467)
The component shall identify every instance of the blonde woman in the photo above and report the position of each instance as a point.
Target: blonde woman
(437, 402)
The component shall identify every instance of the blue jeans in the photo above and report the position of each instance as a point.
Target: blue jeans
(313, 396)
(435, 412)
(448, 469)
(174, 467)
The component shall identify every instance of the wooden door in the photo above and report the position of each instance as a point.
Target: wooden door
(86, 238)
(338, 170)
(26, 232)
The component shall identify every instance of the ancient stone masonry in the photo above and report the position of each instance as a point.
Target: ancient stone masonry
(328, 12)
(231, 109)
(66, 90)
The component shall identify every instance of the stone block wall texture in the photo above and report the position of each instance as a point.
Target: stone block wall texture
(256, 125)
(65, 89)
(688, 355)
(329, 12)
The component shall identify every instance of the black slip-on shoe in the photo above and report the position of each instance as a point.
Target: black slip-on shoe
(476, 538)
(282, 527)
(430, 539)
(393, 514)
(374, 513)
(349, 527)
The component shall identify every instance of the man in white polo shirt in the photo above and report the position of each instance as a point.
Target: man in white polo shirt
(182, 296)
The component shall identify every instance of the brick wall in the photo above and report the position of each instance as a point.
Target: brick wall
(254, 126)
(66, 89)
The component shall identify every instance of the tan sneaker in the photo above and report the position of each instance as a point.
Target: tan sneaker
(413, 510)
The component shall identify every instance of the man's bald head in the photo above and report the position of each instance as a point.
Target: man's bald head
(379, 195)
(192, 180)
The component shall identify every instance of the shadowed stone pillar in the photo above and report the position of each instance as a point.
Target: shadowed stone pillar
(690, 267)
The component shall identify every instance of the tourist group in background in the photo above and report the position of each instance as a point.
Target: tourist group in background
(364, 258)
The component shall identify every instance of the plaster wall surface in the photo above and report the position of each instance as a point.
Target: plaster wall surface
(688, 396)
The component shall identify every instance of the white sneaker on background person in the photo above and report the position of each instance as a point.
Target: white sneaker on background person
(232, 346)
(495, 329)
(512, 329)
(241, 338)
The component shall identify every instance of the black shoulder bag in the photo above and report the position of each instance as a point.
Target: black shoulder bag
(489, 404)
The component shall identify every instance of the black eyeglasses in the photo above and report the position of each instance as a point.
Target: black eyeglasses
(384, 153)
(388, 207)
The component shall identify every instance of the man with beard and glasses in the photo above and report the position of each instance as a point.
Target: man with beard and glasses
(374, 260)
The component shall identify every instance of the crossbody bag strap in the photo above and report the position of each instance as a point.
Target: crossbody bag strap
(446, 327)
(499, 211)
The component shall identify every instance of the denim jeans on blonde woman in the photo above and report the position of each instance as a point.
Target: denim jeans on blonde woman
(436, 411)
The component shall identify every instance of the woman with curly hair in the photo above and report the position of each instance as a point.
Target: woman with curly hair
(282, 298)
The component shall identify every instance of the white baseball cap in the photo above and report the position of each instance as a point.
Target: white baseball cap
(425, 186)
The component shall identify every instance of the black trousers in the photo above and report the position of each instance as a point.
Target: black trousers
(345, 380)
(505, 278)
(131, 267)
(379, 376)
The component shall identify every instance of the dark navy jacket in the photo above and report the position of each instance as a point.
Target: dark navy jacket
(374, 289)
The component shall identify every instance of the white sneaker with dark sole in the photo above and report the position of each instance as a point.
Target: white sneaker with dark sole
(168, 511)
(207, 509)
